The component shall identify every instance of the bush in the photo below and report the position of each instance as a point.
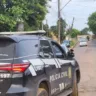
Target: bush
(74, 33)
(73, 43)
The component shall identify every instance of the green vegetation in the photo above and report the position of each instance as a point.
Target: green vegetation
(84, 31)
(72, 43)
(74, 33)
(29, 12)
(92, 22)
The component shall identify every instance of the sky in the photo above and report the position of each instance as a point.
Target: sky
(79, 9)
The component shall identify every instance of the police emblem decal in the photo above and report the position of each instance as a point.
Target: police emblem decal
(69, 72)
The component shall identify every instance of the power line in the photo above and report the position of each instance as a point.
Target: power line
(86, 6)
(71, 15)
(65, 5)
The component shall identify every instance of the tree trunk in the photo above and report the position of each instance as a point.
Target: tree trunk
(20, 26)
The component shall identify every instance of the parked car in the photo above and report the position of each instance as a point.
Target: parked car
(66, 42)
(83, 42)
(34, 65)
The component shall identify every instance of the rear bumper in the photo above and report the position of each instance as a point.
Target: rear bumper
(31, 93)
(21, 94)
(83, 45)
(18, 90)
(15, 94)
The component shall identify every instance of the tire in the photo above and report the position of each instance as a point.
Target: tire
(75, 87)
(42, 92)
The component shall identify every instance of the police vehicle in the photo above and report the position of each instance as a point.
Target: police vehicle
(34, 65)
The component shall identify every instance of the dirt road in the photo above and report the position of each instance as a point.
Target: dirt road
(86, 57)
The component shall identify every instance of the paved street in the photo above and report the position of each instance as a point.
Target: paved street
(86, 57)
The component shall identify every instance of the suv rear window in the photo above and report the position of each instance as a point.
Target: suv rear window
(6, 50)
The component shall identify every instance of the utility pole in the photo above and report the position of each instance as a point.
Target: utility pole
(59, 17)
(70, 29)
(72, 24)
(47, 28)
(59, 24)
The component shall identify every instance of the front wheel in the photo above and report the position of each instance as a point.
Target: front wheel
(75, 87)
(42, 92)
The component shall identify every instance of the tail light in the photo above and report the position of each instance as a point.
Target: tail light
(14, 67)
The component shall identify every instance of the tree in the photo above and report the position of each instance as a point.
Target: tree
(31, 12)
(46, 28)
(54, 30)
(74, 33)
(92, 22)
(84, 31)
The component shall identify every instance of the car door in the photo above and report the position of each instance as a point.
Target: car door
(52, 70)
(66, 66)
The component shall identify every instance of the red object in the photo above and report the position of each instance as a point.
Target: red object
(14, 67)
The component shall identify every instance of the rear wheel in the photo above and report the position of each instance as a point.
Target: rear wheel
(42, 92)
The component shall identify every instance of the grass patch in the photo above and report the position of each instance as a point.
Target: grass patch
(73, 43)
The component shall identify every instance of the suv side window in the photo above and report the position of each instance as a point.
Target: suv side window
(45, 49)
(28, 48)
(58, 52)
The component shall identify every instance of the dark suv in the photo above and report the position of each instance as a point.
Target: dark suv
(33, 65)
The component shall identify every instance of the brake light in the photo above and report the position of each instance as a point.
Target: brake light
(14, 67)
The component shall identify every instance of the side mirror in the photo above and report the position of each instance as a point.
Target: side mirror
(71, 53)
(68, 46)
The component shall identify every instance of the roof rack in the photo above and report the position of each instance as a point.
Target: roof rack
(38, 32)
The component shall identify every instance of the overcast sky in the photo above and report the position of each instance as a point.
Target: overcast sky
(80, 9)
